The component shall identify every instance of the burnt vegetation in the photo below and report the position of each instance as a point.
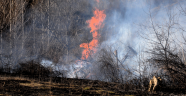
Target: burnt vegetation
(30, 32)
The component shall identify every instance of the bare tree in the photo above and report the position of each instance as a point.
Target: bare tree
(164, 51)
(108, 66)
(112, 68)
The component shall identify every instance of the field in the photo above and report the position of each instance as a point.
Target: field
(13, 86)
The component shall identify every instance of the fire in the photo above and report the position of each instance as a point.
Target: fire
(95, 23)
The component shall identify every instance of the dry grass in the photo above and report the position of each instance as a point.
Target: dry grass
(25, 86)
(31, 84)
(16, 78)
(52, 88)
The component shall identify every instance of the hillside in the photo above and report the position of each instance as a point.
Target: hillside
(80, 87)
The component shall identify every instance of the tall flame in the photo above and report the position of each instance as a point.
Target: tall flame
(95, 23)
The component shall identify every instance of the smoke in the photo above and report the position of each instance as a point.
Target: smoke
(53, 30)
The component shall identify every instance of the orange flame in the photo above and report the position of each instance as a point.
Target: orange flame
(95, 23)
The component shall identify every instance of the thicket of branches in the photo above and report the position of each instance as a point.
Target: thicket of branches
(167, 42)
(166, 53)
(31, 69)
